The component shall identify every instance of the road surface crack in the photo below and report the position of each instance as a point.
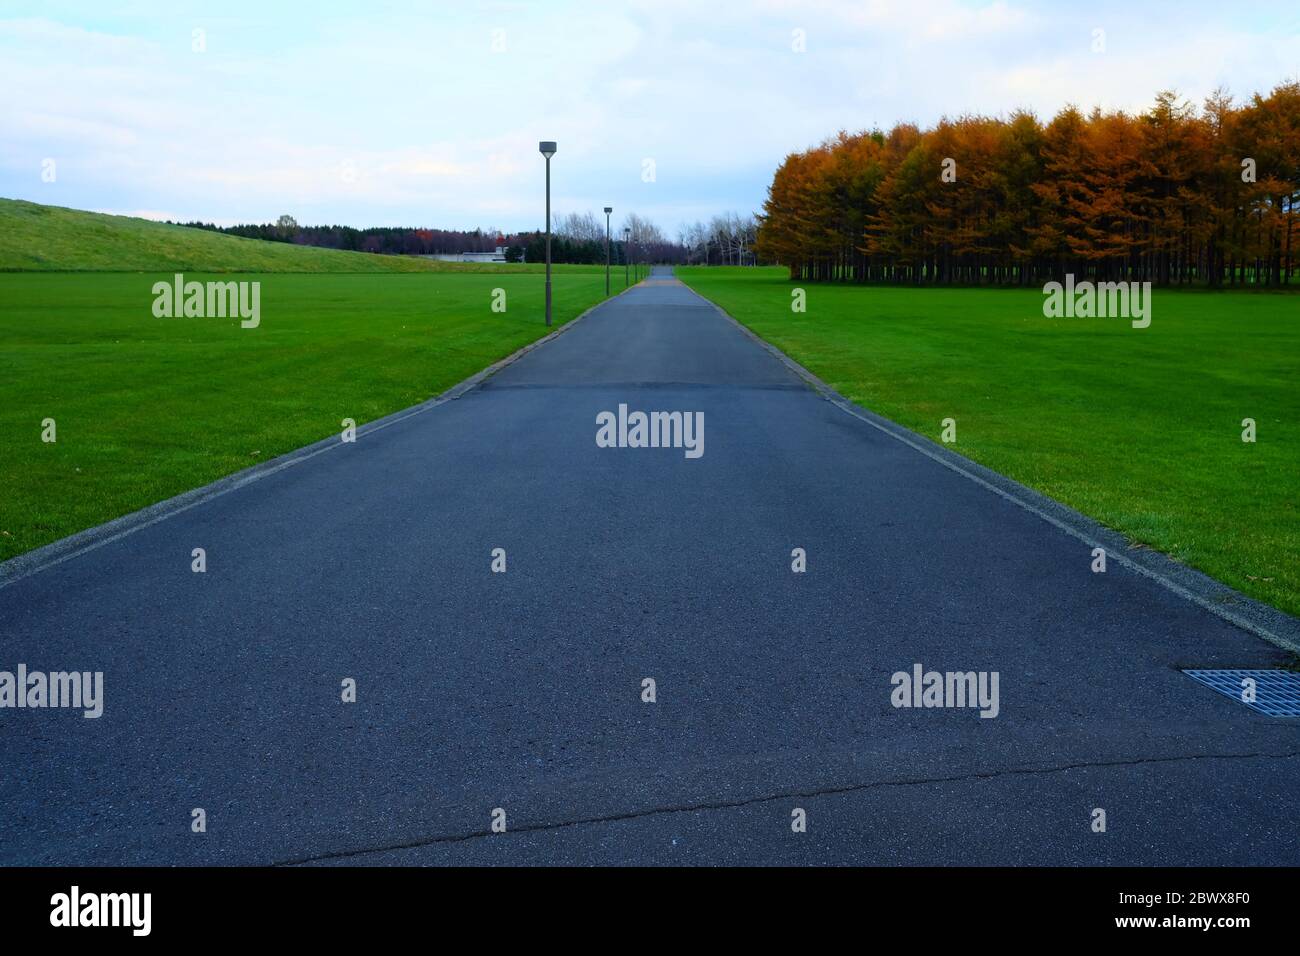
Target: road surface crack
(703, 805)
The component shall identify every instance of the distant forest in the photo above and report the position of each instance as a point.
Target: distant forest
(389, 240)
(1174, 195)
(575, 238)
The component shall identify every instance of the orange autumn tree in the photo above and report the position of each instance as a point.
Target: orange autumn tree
(1178, 194)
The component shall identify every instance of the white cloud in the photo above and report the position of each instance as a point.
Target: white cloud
(438, 129)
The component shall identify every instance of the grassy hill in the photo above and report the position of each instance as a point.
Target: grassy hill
(36, 238)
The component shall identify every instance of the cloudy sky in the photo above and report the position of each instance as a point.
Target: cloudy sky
(430, 113)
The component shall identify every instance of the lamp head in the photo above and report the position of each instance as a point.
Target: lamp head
(546, 148)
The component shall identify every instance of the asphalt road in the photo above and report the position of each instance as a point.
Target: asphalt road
(523, 690)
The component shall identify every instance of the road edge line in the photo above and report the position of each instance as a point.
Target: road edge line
(1260, 619)
(78, 543)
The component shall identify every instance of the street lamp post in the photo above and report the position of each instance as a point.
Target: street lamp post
(608, 210)
(547, 149)
(627, 237)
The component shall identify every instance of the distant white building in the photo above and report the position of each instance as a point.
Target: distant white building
(499, 255)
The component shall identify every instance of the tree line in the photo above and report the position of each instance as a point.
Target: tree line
(1173, 195)
(384, 240)
(725, 240)
(580, 238)
(577, 238)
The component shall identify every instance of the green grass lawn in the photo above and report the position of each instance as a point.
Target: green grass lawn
(1138, 428)
(146, 408)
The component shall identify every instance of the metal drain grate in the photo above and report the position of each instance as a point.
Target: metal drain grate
(1277, 693)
